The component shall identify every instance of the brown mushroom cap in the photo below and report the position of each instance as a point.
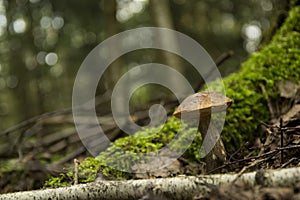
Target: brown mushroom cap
(203, 103)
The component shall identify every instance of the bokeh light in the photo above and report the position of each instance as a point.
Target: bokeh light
(51, 58)
(19, 25)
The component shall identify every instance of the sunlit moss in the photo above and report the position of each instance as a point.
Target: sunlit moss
(59, 181)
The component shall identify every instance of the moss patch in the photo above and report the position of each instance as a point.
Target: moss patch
(87, 171)
(147, 141)
(133, 147)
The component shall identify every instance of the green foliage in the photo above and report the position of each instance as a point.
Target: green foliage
(279, 60)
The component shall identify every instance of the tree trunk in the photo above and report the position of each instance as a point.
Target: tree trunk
(162, 17)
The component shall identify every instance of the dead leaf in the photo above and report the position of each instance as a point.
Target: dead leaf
(288, 89)
(172, 169)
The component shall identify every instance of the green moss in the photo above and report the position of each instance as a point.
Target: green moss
(132, 148)
(125, 150)
(279, 60)
(87, 171)
(60, 181)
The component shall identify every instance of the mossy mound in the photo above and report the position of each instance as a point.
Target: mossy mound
(279, 60)
(147, 141)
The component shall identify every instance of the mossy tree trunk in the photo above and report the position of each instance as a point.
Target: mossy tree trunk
(277, 61)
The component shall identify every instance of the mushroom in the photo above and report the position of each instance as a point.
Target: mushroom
(202, 105)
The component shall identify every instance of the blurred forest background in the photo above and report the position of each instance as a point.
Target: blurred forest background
(44, 42)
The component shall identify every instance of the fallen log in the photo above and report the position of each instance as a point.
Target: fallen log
(184, 187)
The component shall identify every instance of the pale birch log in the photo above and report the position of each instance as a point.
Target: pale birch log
(169, 188)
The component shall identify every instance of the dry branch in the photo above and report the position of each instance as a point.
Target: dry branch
(167, 188)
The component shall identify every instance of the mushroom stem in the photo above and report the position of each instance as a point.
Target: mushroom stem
(217, 154)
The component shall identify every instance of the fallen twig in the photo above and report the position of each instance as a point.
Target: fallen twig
(270, 153)
(76, 162)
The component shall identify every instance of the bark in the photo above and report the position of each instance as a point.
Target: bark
(167, 188)
(111, 27)
(161, 14)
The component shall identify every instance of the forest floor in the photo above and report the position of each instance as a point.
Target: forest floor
(279, 147)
